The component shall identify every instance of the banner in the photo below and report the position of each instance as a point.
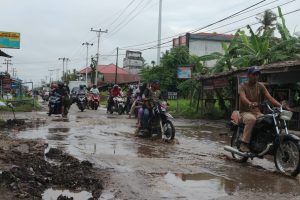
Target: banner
(9, 40)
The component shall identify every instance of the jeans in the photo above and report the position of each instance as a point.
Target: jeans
(146, 117)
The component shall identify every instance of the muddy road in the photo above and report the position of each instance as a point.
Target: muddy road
(195, 166)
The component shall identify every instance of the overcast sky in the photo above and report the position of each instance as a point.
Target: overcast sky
(51, 29)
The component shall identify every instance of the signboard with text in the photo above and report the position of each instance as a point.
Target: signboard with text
(9, 40)
(184, 72)
(242, 80)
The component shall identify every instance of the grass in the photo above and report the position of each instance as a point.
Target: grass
(22, 105)
(189, 111)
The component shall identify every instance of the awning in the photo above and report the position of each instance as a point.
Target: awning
(4, 54)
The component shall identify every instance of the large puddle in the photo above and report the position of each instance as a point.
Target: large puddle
(53, 194)
(202, 186)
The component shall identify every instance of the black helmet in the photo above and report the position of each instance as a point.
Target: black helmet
(81, 86)
(60, 84)
(94, 86)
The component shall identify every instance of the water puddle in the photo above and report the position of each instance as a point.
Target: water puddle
(52, 194)
(192, 186)
(58, 130)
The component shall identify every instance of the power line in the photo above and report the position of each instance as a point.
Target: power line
(221, 20)
(131, 19)
(126, 17)
(288, 13)
(122, 12)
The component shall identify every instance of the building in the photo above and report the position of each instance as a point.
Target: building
(133, 62)
(201, 44)
(107, 74)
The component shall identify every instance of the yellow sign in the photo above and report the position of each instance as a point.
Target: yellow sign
(9, 40)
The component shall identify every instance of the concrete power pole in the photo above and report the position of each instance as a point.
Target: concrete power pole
(87, 59)
(64, 60)
(98, 56)
(159, 33)
(7, 62)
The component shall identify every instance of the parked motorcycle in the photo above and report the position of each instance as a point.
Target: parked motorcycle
(81, 102)
(55, 105)
(118, 105)
(94, 101)
(159, 123)
(270, 136)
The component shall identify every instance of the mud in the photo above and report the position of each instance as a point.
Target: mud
(195, 166)
(27, 174)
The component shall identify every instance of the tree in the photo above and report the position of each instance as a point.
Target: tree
(268, 22)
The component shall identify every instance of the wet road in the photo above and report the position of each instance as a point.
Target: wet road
(195, 166)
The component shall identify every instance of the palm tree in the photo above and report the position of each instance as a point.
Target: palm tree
(268, 21)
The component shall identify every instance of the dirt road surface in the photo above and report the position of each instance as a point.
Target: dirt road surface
(194, 166)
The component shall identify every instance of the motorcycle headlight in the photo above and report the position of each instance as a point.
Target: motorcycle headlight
(286, 115)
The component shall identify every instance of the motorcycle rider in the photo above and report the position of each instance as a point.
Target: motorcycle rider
(114, 92)
(94, 90)
(250, 97)
(150, 97)
(64, 96)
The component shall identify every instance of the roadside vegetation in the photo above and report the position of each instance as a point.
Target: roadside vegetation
(21, 105)
(247, 48)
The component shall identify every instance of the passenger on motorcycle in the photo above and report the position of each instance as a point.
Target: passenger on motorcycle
(250, 98)
(137, 98)
(150, 96)
(114, 92)
(81, 91)
(64, 96)
(94, 90)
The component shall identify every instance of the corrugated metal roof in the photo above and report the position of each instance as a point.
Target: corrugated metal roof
(212, 36)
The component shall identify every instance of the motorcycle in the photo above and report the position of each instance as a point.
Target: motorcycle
(270, 136)
(55, 105)
(118, 105)
(159, 123)
(94, 101)
(81, 102)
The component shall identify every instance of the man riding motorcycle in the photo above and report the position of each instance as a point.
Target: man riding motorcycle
(94, 90)
(150, 97)
(114, 92)
(59, 89)
(250, 98)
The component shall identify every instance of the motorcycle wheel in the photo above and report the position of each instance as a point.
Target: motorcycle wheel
(82, 108)
(120, 110)
(169, 130)
(287, 157)
(49, 113)
(234, 141)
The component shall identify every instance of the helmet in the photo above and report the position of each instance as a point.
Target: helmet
(94, 86)
(81, 86)
(60, 84)
(115, 86)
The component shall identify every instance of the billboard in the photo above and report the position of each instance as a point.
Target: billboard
(184, 72)
(9, 40)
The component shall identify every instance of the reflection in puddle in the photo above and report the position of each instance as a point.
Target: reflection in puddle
(51, 194)
(190, 186)
(60, 120)
(58, 130)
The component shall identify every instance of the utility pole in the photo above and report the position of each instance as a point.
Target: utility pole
(98, 56)
(64, 60)
(14, 72)
(116, 76)
(51, 73)
(7, 62)
(159, 33)
(87, 59)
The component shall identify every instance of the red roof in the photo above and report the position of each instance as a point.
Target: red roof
(109, 72)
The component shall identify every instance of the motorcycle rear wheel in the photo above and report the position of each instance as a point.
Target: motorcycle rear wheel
(287, 157)
(234, 141)
(169, 130)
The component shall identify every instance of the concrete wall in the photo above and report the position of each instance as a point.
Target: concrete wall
(204, 47)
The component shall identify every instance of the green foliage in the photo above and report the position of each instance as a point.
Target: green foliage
(93, 67)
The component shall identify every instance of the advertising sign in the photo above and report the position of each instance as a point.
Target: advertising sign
(184, 72)
(172, 95)
(9, 40)
(242, 79)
